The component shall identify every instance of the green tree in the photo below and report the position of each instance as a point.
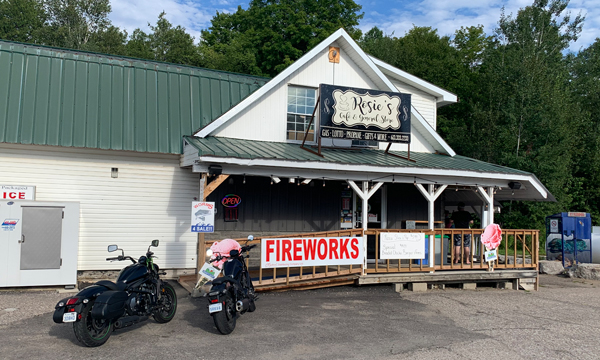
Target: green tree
(529, 119)
(73, 23)
(585, 70)
(22, 20)
(164, 43)
(275, 33)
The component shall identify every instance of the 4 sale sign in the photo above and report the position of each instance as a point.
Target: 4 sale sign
(290, 252)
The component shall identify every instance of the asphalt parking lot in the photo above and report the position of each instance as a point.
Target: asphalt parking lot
(562, 320)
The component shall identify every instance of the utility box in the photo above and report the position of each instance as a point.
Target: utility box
(568, 238)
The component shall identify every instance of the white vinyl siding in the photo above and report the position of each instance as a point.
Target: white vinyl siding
(263, 120)
(150, 199)
(423, 102)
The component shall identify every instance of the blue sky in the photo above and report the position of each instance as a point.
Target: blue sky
(396, 16)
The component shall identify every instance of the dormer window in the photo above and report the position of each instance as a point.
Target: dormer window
(300, 105)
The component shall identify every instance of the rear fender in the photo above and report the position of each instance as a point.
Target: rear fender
(89, 293)
(60, 310)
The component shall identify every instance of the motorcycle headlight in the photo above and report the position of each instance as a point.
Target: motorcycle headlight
(209, 252)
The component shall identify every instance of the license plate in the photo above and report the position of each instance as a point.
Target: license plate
(215, 308)
(69, 317)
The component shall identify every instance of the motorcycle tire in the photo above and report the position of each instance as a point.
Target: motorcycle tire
(91, 332)
(168, 299)
(226, 318)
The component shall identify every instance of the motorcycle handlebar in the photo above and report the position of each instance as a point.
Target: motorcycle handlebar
(248, 247)
(121, 258)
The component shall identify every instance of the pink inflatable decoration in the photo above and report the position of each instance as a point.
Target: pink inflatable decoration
(223, 248)
(492, 236)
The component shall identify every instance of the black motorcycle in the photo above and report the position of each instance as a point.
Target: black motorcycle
(233, 293)
(138, 293)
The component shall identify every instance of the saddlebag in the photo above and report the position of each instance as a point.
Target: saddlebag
(109, 305)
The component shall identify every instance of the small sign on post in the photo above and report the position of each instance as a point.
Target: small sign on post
(203, 217)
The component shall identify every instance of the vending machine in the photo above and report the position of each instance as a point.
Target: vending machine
(568, 238)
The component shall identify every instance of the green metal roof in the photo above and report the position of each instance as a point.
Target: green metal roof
(51, 96)
(250, 149)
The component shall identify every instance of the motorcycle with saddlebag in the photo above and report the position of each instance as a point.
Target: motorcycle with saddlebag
(100, 308)
(232, 294)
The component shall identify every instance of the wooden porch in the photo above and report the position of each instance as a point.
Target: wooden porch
(517, 263)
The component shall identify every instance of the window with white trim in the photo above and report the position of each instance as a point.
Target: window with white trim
(300, 106)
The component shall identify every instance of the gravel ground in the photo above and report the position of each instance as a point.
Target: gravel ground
(561, 321)
(24, 304)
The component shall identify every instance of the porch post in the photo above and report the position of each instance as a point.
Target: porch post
(431, 195)
(491, 207)
(488, 197)
(484, 214)
(365, 195)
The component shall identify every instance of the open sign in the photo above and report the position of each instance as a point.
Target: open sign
(231, 200)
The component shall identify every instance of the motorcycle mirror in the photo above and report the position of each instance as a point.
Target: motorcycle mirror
(250, 237)
(155, 243)
(209, 252)
(112, 248)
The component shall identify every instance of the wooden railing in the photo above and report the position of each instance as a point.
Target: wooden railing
(519, 249)
(285, 276)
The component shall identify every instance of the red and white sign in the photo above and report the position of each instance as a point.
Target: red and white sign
(17, 192)
(311, 252)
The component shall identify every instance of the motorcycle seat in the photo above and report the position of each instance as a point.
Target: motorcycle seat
(223, 279)
(112, 286)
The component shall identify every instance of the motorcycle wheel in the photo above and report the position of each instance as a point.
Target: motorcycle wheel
(92, 332)
(225, 319)
(168, 300)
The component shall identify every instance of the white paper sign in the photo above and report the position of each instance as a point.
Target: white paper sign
(402, 246)
(203, 216)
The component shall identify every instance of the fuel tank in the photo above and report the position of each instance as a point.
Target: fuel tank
(232, 268)
(132, 273)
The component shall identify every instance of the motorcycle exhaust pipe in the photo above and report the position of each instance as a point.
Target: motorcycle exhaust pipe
(242, 305)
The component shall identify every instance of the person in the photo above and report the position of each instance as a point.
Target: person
(462, 220)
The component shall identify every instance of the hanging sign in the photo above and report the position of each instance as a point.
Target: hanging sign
(17, 192)
(402, 246)
(231, 200)
(364, 114)
(311, 252)
(203, 216)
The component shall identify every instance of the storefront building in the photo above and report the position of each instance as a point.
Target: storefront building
(128, 144)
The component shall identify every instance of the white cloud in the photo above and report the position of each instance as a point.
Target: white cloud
(397, 16)
(448, 16)
(132, 14)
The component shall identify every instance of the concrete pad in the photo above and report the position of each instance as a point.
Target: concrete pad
(417, 287)
(469, 286)
(398, 287)
(504, 285)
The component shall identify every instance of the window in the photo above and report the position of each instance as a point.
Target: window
(300, 106)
